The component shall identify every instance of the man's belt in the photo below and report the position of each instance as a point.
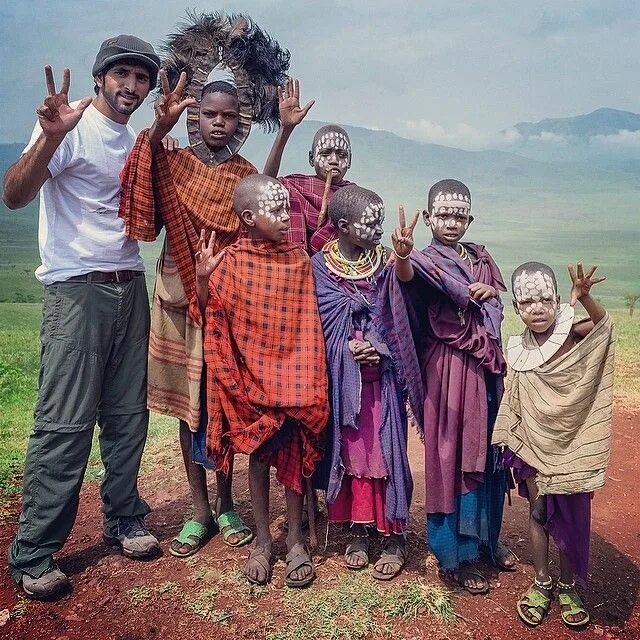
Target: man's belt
(106, 276)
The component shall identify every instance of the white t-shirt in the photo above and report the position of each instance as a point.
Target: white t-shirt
(79, 229)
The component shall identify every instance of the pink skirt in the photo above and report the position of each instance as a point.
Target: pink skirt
(362, 501)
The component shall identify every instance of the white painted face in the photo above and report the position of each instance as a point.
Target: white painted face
(273, 201)
(369, 227)
(332, 153)
(536, 299)
(450, 216)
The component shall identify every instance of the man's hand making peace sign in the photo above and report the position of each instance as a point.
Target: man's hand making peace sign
(55, 115)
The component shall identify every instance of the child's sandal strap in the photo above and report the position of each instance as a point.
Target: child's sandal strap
(571, 605)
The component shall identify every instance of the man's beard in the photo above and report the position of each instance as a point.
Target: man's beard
(112, 100)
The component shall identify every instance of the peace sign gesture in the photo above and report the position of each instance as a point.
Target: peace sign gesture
(170, 105)
(206, 260)
(55, 115)
(582, 282)
(402, 237)
(291, 114)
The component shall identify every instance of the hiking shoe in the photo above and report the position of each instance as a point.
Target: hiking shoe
(50, 585)
(131, 535)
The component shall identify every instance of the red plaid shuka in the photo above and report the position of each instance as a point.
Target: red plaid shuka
(305, 195)
(265, 357)
(177, 190)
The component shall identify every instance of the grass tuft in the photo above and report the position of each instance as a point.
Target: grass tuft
(358, 607)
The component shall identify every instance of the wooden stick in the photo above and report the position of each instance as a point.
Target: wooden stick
(311, 513)
(325, 199)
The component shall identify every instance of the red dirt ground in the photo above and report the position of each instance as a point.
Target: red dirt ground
(101, 607)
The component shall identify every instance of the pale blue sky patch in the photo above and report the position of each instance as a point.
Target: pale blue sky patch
(439, 71)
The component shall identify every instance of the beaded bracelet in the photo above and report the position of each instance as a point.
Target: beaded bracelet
(395, 253)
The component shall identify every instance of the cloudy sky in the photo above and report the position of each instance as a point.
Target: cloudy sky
(454, 73)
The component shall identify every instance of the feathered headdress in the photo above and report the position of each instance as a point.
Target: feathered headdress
(208, 40)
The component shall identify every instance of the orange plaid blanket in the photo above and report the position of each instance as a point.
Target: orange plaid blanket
(176, 190)
(265, 357)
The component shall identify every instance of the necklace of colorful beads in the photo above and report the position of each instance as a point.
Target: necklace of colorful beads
(364, 267)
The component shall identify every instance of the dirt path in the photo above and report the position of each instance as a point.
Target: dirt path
(175, 599)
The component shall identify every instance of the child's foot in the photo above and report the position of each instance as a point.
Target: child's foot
(393, 558)
(356, 556)
(572, 610)
(258, 567)
(471, 579)
(536, 602)
(191, 538)
(235, 532)
(505, 558)
(299, 571)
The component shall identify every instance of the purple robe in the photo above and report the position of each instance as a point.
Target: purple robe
(340, 312)
(568, 519)
(446, 344)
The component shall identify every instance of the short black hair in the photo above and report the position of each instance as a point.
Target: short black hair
(447, 186)
(532, 267)
(135, 62)
(220, 86)
(349, 202)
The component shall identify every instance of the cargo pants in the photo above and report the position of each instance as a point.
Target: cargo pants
(94, 340)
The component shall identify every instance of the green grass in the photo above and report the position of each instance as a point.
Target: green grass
(19, 362)
(358, 607)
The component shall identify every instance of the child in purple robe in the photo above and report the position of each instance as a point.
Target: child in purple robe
(555, 425)
(442, 312)
(367, 475)
(330, 157)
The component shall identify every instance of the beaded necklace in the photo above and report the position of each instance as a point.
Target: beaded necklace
(364, 267)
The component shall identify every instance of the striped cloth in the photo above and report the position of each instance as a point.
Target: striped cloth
(177, 191)
(557, 417)
(305, 196)
(265, 359)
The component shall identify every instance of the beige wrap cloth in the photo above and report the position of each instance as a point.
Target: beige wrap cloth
(557, 417)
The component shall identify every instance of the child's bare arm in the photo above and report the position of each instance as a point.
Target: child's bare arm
(291, 115)
(581, 291)
(206, 262)
(402, 239)
(202, 290)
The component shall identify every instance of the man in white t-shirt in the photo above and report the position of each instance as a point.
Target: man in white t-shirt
(95, 319)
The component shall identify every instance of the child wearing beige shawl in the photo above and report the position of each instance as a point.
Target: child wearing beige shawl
(555, 426)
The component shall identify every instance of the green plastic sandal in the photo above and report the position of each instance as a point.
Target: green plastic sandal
(231, 523)
(536, 603)
(571, 605)
(193, 534)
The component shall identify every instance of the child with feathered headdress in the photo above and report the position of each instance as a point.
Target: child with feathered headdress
(190, 192)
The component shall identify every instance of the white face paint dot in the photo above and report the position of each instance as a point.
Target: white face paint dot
(272, 195)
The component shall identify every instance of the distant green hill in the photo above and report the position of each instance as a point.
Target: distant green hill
(525, 209)
(600, 122)
(602, 136)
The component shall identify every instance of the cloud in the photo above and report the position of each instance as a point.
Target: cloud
(622, 139)
(461, 135)
(548, 137)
